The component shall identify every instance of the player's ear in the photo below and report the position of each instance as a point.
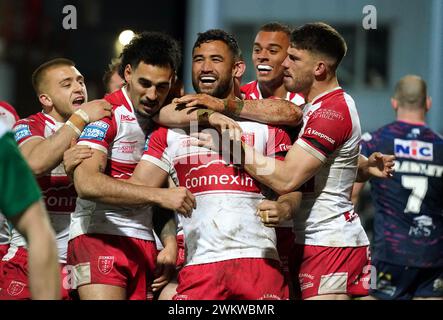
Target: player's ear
(46, 102)
(428, 103)
(394, 104)
(128, 73)
(320, 69)
(239, 68)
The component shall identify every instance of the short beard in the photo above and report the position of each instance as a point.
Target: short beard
(221, 91)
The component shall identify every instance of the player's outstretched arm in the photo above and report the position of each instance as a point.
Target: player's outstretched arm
(281, 176)
(179, 199)
(378, 165)
(93, 184)
(43, 155)
(270, 111)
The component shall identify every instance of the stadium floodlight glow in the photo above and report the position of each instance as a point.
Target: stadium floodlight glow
(125, 37)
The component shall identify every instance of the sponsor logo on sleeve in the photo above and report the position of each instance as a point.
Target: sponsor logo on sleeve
(22, 131)
(413, 149)
(313, 132)
(95, 131)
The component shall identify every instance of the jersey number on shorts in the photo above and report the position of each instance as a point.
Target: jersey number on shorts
(419, 187)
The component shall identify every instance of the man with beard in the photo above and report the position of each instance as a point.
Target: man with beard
(230, 250)
(324, 161)
(112, 248)
(43, 138)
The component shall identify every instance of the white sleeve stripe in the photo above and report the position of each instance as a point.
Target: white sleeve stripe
(93, 146)
(159, 163)
(31, 138)
(311, 150)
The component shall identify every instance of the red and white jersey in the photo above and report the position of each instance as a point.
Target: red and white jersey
(58, 191)
(8, 115)
(251, 91)
(331, 133)
(122, 139)
(225, 224)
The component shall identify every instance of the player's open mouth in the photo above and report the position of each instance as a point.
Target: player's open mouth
(78, 101)
(264, 69)
(208, 79)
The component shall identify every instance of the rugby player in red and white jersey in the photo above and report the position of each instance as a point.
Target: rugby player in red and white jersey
(332, 252)
(112, 248)
(268, 53)
(9, 117)
(230, 254)
(42, 139)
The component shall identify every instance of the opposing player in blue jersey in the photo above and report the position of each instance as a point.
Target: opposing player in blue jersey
(408, 222)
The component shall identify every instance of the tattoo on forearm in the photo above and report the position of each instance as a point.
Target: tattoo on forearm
(234, 106)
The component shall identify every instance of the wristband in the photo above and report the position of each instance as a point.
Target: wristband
(83, 115)
(204, 114)
(77, 121)
(73, 127)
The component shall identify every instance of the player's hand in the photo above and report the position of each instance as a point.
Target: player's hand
(381, 165)
(272, 213)
(165, 267)
(231, 149)
(201, 100)
(178, 199)
(97, 109)
(227, 130)
(224, 124)
(208, 138)
(74, 156)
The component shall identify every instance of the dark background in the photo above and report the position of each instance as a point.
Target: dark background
(32, 32)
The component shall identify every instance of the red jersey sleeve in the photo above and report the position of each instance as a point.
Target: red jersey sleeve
(156, 149)
(26, 129)
(278, 142)
(99, 134)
